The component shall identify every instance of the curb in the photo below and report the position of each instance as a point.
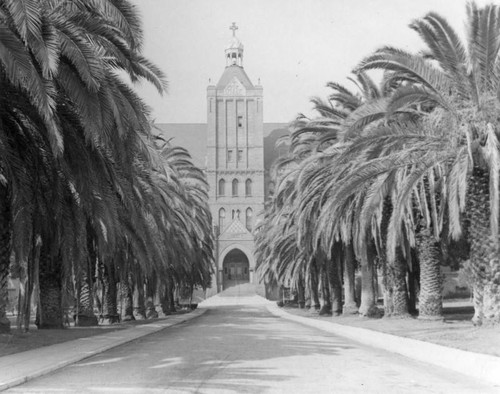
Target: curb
(134, 332)
(475, 365)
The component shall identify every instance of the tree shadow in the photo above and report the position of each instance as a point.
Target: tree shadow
(239, 351)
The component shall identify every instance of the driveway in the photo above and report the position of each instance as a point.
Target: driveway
(237, 346)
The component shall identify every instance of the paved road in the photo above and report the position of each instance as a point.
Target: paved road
(245, 349)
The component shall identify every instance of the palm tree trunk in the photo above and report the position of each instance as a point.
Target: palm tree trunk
(413, 275)
(314, 286)
(350, 306)
(28, 283)
(486, 269)
(387, 288)
(167, 296)
(393, 273)
(399, 289)
(50, 310)
(308, 294)
(5, 251)
(4, 300)
(126, 295)
(109, 301)
(430, 304)
(483, 248)
(163, 296)
(326, 309)
(171, 298)
(151, 312)
(387, 282)
(368, 307)
(85, 316)
(301, 292)
(335, 274)
(139, 299)
(477, 302)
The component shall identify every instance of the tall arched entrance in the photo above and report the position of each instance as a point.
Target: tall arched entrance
(236, 269)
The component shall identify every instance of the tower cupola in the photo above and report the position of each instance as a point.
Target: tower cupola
(234, 51)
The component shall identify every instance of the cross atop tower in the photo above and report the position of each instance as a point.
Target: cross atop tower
(234, 51)
(233, 27)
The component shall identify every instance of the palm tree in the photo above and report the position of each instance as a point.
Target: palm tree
(71, 71)
(454, 87)
(314, 144)
(322, 174)
(26, 99)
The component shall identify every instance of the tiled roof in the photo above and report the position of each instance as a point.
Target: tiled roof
(193, 137)
(273, 131)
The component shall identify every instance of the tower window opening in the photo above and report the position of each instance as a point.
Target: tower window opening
(222, 187)
(222, 217)
(240, 155)
(248, 188)
(240, 121)
(235, 187)
(229, 155)
(249, 217)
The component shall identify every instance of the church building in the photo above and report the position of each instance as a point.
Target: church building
(238, 153)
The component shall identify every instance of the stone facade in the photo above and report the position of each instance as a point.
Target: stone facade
(234, 145)
(235, 168)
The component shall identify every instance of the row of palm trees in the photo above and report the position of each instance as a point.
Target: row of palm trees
(396, 178)
(91, 201)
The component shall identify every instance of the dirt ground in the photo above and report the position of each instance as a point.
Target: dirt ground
(18, 341)
(456, 330)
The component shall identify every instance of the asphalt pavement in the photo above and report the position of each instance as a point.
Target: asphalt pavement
(237, 344)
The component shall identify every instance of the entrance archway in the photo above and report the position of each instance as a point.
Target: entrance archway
(236, 269)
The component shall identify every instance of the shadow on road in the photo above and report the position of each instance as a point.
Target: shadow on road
(235, 348)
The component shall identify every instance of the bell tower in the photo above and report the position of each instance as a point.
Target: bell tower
(234, 51)
(235, 167)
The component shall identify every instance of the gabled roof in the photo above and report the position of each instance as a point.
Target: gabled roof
(235, 229)
(231, 72)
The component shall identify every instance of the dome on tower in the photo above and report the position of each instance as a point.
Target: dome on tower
(234, 51)
(235, 43)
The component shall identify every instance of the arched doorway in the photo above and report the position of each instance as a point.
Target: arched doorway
(236, 269)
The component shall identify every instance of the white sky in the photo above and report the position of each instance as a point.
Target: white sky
(293, 46)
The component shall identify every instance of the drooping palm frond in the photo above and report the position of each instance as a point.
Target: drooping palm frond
(407, 65)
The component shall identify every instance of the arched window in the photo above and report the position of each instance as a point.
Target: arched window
(235, 187)
(249, 217)
(222, 217)
(222, 187)
(248, 187)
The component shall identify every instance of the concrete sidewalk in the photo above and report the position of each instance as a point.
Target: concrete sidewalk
(479, 366)
(18, 368)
